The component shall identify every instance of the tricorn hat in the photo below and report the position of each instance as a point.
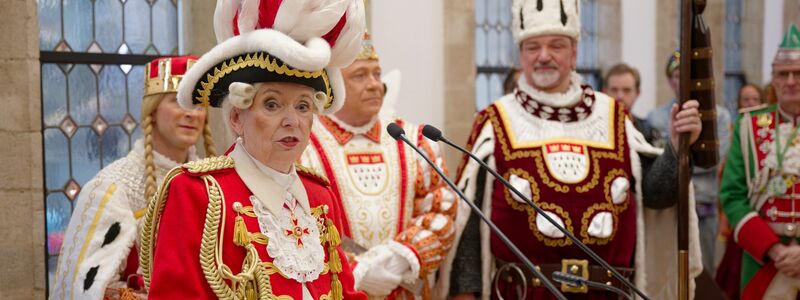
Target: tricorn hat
(300, 41)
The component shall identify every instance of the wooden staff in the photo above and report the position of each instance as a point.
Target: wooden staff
(696, 82)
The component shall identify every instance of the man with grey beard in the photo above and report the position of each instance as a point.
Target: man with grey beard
(576, 154)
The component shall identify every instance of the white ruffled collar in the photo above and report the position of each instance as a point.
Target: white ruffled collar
(354, 129)
(565, 99)
(161, 161)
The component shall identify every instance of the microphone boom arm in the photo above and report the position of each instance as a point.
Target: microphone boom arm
(398, 133)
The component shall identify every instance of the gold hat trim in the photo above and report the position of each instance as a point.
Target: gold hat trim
(260, 60)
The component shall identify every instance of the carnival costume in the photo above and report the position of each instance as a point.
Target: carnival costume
(230, 227)
(396, 209)
(99, 257)
(579, 157)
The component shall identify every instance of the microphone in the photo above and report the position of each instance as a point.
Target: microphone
(576, 281)
(397, 132)
(435, 135)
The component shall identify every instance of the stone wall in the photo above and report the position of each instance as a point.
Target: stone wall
(459, 76)
(22, 250)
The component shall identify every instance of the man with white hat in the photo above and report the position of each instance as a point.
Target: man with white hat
(577, 155)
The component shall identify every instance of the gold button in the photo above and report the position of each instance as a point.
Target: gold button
(608, 283)
(536, 282)
(574, 269)
(609, 273)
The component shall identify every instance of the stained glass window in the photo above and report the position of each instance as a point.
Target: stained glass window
(496, 52)
(734, 75)
(92, 57)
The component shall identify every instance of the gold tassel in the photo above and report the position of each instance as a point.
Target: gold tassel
(333, 234)
(334, 262)
(241, 237)
(336, 287)
(250, 291)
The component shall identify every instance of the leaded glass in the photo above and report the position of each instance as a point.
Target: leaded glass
(82, 94)
(108, 28)
(496, 52)
(112, 94)
(49, 23)
(734, 74)
(56, 158)
(78, 24)
(165, 28)
(137, 25)
(54, 95)
(91, 104)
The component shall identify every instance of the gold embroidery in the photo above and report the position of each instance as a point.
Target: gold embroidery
(607, 190)
(90, 234)
(209, 164)
(585, 223)
(550, 242)
(260, 60)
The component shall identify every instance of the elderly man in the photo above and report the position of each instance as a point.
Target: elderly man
(576, 154)
(398, 215)
(760, 184)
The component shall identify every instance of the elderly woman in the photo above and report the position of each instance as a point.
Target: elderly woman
(251, 224)
(99, 255)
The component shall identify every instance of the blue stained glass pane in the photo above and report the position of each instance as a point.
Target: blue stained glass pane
(492, 47)
(480, 47)
(108, 24)
(493, 12)
(82, 95)
(137, 25)
(112, 94)
(115, 144)
(52, 263)
(49, 24)
(58, 212)
(137, 134)
(165, 35)
(85, 155)
(135, 91)
(507, 48)
(78, 24)
(496, 86)
(480, 12)
(482, 97)
(54, 95)
(505, 12)
(56, 159)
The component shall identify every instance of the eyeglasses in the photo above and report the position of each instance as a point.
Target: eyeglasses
(784, 74)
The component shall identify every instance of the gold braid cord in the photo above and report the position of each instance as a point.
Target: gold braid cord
(330, 235)
(252, 283)
(150, 226)
(209, 164)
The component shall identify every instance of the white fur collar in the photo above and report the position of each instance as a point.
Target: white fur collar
(355, 129)
(566, 99)
(159, 159)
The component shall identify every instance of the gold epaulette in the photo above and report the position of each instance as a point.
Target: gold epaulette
(208, 165)
(753, 108)
(313, 174)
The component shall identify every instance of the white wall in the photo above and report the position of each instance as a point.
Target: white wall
(639, 48)
(408, 35)
(773, 34)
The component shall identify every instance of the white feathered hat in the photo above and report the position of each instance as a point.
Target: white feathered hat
(300, 41)
(539, 17)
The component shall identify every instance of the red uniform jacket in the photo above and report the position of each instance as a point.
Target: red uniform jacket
(183, 266)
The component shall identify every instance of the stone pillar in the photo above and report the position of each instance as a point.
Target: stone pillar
(459, 76)
(198, 32)
(22, 222)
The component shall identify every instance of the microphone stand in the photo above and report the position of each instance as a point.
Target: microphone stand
(435, 134)
(396, 132)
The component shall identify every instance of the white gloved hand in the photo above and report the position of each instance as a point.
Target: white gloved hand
(383, 268)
